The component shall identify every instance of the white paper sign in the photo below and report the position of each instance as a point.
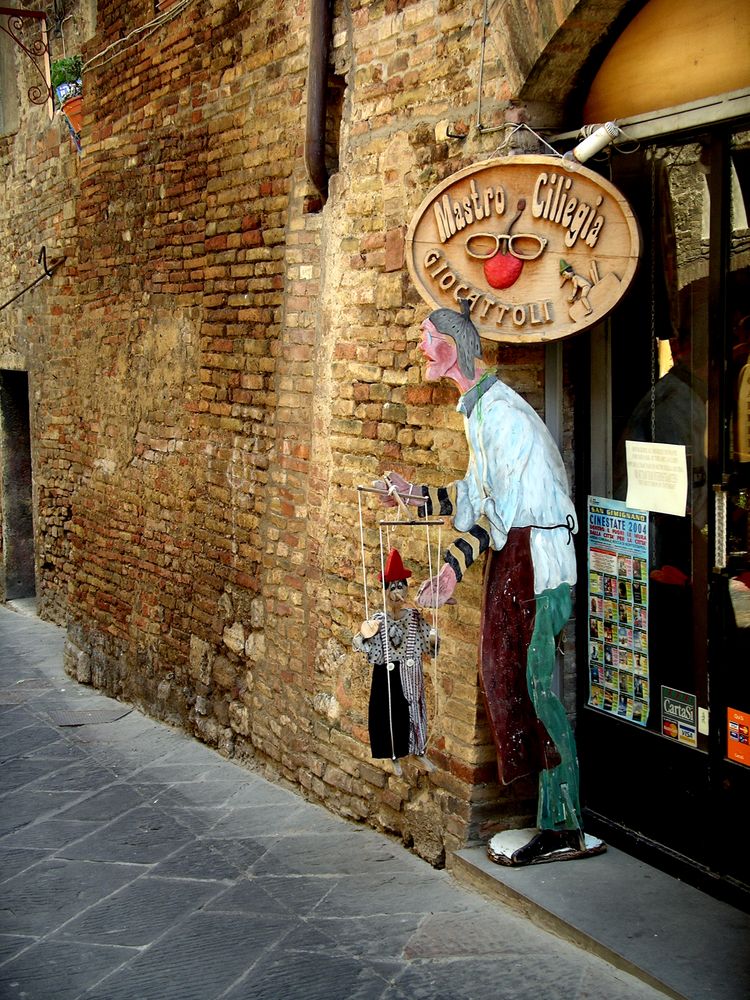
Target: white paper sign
(657, 477)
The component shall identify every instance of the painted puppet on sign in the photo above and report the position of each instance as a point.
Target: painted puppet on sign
(514, 504)
(394, 642)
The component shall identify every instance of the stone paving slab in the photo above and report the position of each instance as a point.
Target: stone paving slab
(24, 735)
(137, 864)
(140, 912)
(204, 953)
(143, 835)
(62, 970)
(105, 804)
(43, 898)
(206, 858)
(53, 834)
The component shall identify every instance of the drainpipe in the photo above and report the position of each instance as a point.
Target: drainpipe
(317, 85)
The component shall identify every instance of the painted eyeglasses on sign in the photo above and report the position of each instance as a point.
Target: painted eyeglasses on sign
(523, 246)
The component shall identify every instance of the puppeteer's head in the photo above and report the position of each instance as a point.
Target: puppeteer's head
(450, 338)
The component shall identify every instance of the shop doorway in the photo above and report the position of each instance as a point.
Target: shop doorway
(665, 633)
(17, 507)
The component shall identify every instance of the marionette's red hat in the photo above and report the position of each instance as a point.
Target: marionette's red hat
(394, 568)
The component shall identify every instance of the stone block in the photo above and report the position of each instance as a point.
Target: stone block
(255, 646)
(200, 660)
(234, 637)
(239, 718)
(223, 673)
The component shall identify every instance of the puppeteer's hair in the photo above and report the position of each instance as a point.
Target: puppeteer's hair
(459, 326)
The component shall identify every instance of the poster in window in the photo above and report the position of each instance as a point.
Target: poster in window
(618, 610)
(679, 716)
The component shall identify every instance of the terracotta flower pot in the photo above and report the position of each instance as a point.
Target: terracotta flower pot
(73, 111)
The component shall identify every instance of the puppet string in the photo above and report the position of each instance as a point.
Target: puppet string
(362, 553)
(434, 657)
(386, 647)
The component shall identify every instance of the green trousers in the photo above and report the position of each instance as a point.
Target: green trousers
(559, 806)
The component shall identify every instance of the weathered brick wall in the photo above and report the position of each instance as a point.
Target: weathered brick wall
(40, 173)
(218, 365)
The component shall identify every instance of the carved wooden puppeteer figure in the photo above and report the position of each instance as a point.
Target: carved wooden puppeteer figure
(513, 503)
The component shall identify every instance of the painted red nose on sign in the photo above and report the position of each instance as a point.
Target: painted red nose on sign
(502, 270)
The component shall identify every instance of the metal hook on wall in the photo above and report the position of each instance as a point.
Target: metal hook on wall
(42, 259)
(48, 272)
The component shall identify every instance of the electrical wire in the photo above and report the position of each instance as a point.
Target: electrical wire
(149, 28)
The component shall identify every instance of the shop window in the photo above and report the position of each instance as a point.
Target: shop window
(740, 181)
(659, 389)
(739, 306)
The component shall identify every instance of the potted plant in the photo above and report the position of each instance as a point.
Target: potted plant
(67, 86)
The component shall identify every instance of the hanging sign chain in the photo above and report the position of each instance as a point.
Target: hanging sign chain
(513, 128)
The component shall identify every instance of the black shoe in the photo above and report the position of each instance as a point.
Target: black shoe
(547, 842)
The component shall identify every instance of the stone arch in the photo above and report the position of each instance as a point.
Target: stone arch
(553, 60)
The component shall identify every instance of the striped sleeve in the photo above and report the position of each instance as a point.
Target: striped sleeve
(466, 548)
(441, 500)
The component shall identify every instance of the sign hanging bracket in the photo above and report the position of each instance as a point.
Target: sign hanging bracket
(12, 23)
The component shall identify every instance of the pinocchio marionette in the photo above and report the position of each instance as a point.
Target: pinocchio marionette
(394, 642)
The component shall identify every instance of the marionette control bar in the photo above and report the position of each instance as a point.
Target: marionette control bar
(421, 520)
(402, 498)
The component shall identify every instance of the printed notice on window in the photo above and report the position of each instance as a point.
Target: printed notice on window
(738, 736)
(618, 610)
(657, 477)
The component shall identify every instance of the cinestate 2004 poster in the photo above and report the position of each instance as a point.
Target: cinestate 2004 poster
(618, 610)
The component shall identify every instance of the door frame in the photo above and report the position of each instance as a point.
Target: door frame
(592, 357)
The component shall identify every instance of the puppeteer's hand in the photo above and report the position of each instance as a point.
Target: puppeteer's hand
(391, 482)
(438, 590)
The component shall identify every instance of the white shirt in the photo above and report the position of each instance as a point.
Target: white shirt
(516, 479)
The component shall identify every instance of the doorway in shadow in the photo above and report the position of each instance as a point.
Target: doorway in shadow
(16, 487)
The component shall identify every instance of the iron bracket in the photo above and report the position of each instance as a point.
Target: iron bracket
(37, 51)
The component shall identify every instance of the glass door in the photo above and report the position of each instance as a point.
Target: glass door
(666, 647)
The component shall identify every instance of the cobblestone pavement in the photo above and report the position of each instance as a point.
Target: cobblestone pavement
(136, 862)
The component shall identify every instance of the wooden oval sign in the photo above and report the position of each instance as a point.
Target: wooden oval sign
(540, 246)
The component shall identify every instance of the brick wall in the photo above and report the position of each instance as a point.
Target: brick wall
(217, 365)
(39, 168)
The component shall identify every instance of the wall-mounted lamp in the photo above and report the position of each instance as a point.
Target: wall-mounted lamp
(593, 142)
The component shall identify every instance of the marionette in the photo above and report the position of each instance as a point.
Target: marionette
(394, 641)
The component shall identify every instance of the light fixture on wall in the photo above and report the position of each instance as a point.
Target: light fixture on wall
(595, 139)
